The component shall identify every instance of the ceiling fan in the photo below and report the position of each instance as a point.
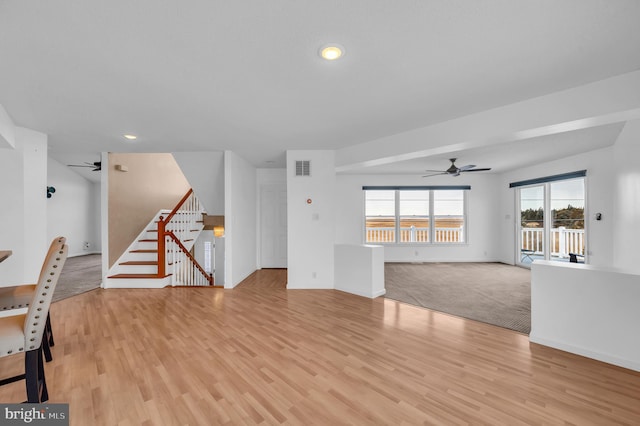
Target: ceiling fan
(96, 165)
(454, 170)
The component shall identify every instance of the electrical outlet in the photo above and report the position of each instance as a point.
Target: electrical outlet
(314, 275)
(86, 245)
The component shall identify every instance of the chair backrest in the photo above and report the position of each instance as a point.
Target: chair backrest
(55, 245)
(36, 316)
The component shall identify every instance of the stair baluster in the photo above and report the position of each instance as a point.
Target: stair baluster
(172, 230)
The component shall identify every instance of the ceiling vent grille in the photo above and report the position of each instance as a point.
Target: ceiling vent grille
(303, 168)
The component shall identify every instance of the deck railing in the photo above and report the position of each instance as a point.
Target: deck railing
(414, 234)
(563, 241)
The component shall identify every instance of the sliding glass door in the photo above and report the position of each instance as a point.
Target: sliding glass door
(532, 225)
(567, 216)
(551, 225)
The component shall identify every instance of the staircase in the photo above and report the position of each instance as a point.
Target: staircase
(160, 255)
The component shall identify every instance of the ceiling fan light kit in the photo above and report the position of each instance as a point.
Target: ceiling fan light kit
(454, 170)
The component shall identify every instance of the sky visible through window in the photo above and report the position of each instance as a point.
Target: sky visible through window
(414, 203)
(563, 194)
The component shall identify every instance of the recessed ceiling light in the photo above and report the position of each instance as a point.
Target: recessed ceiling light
(331, 51)
(131, 137)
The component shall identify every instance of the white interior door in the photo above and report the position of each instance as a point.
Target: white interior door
(273, 225)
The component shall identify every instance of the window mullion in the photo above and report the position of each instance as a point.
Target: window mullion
(397, 199)
(432, 221)
(548, 222)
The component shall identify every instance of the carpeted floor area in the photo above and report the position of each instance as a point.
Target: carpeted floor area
(492, 293)
(79, 274)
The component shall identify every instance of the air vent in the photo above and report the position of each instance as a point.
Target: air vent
(303, 168)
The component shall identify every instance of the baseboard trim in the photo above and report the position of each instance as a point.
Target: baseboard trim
(363, 294)
(609, 359)
(484, 260)
(84, 253)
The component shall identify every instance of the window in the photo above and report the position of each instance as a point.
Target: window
(448, 209)
(552, 220)
(415, 215)
(380, 211)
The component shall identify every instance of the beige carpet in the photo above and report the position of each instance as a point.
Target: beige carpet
(79, 274)
(493, 293)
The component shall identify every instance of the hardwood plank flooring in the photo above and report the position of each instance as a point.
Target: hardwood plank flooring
(259, 354)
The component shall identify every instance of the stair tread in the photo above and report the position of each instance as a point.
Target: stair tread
(138, 276)
(148, 243)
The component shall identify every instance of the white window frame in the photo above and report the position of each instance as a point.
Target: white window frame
(545, 183)
(431, 217)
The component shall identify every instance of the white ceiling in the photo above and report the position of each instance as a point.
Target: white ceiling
(504, 157)
(245, 75)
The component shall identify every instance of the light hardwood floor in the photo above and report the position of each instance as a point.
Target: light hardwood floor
(260, 354)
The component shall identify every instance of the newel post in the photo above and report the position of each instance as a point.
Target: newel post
(161, 248)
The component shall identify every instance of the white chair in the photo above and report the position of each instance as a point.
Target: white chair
(26, 332)
(19, 297)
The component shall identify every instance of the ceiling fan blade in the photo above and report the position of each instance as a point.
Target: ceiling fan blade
(454, 171)
(476, 170)
(96, 166)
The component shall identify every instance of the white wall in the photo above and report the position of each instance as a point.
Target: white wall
(34, 149)
(587, 310)
(205, 173)
(7, 130)
(240, 219)
(23, 223)
(626, 189)
(599, 199)
(359, 269)
(11, 215)
(482, 219)
(96, 235)
(72, 210)
(311, 227)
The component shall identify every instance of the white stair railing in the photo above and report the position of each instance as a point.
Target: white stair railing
(176, 236)
(185, 271)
